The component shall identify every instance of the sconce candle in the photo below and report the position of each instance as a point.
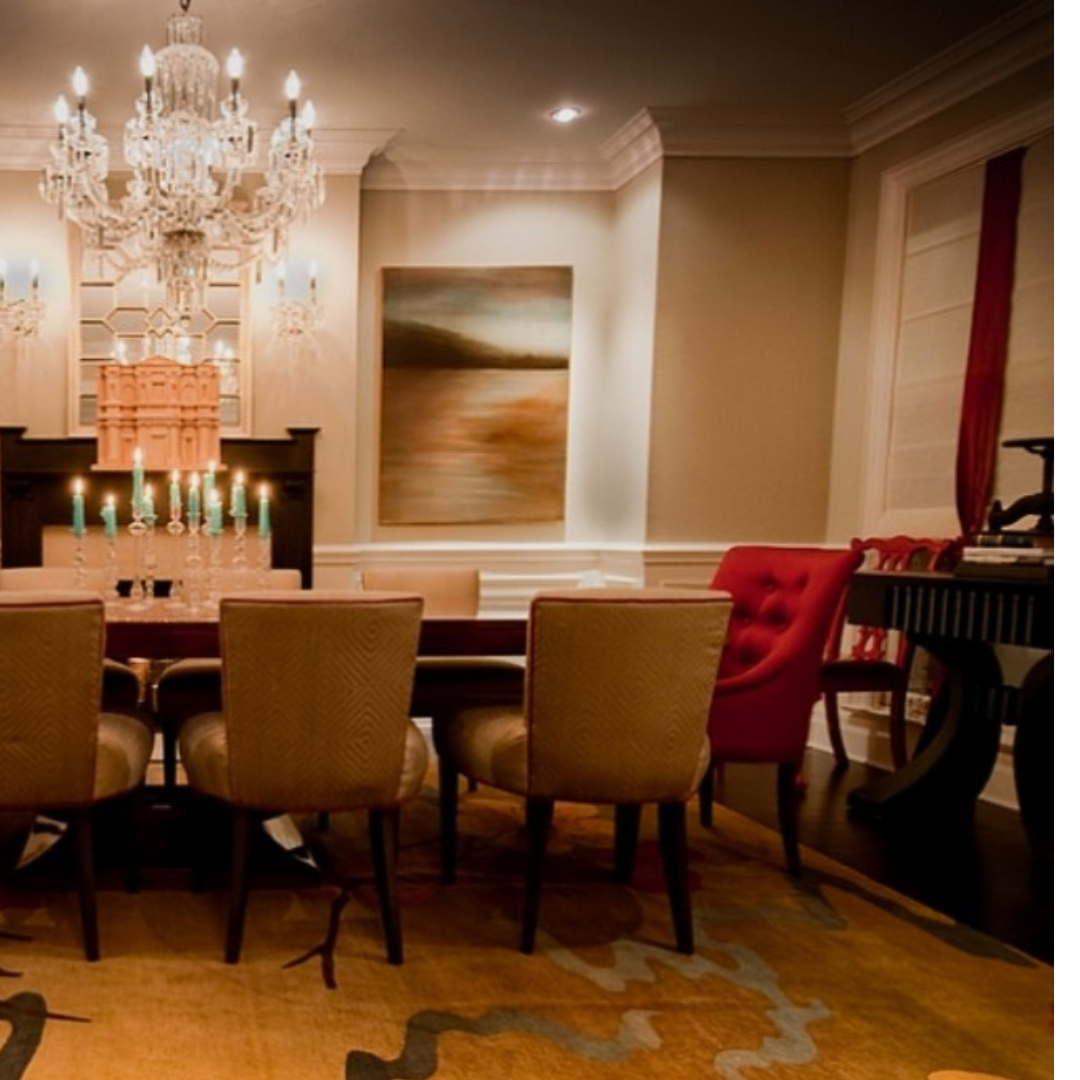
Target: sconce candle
(108, 516)
(78, 510)
(264, 511)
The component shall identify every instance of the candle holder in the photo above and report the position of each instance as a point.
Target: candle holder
(239, 555)
(215, 567)
(193, 579)
(262, 572)
(110, 588)
(150, 560)
(175, 529)
(79, 560)
(137, 530)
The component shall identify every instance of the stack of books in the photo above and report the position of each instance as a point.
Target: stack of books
(1009, 554)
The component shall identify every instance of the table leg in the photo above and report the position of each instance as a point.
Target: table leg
(959, 745)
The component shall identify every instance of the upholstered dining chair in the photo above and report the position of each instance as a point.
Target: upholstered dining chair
(786, 599)
(315, 719)
(870, 659)
(192, 685)
(445, 684)
(58, 751)
(121, 688)
(618, 688)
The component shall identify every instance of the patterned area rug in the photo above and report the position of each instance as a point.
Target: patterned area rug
(828, 978)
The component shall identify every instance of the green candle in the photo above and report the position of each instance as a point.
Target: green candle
(78, 510)
(264, 511)
(108, 516)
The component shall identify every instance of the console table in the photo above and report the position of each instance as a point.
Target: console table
(958, 620)
(36, 477)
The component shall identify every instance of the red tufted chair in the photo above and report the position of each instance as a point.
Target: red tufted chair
(786, 601)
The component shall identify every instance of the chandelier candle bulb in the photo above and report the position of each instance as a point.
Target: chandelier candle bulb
(78, 510)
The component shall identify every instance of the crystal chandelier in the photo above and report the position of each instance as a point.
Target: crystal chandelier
(184, 211)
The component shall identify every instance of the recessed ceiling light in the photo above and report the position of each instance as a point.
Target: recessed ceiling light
(566, 114)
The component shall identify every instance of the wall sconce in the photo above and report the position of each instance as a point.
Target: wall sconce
(20, 317)
(295, 318)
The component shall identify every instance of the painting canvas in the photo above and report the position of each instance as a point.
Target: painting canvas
(475, 394)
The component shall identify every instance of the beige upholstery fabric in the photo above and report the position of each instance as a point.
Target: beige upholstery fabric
(618, 689)
(316, 699)
(56, 748)
(448, 591)
(122, 688)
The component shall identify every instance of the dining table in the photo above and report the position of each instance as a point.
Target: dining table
(162, 630)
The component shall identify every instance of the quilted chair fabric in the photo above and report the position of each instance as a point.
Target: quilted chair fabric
(192, 685)
(315, 718)
(786, 600)
(58, 751)
(121, 689)
(618, 688)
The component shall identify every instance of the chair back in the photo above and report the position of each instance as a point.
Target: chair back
(51, 650)
(895, 553)
(448, 591)
(316, 689)
(618, 687)
(786, 599)
(50, 578)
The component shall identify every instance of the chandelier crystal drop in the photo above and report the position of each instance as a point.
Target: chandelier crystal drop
(184, 210)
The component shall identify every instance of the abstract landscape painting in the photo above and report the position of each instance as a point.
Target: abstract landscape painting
(475, 394)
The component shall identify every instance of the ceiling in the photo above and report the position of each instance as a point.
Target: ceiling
(442, 80)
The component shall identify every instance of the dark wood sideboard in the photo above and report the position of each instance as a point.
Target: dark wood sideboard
(36, 488)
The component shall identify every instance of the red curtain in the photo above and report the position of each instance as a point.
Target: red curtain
(984, 382)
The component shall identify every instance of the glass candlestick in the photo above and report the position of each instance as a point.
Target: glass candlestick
(239, 555)
(137, 530)
(176, 530)
(193, 579)
(79, 559)
(110, 590)
(262, 573)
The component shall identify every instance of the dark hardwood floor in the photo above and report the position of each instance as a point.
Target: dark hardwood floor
(983, 876)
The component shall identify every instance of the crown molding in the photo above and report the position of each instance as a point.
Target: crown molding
(1015, 42)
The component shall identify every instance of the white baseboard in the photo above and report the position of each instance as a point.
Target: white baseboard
(866, 738)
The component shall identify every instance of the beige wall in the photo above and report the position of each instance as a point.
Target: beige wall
(750, 277)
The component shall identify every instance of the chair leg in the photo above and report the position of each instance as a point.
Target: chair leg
(787, 803)
(448, 798)
(627, 827)
(706, 794)
(836, 736)
(672, 821)
(168, 754)
(383, 831)
(238, 886)
(84, 844)
(538, 816)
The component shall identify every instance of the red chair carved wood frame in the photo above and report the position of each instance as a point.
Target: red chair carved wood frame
(869, 659)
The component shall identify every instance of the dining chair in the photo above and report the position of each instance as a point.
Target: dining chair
(122, 687)
(315, 718)
(191, 685)
(870, 659)
(786, 600)
(618, 687)
(59, 752)
(445, 684)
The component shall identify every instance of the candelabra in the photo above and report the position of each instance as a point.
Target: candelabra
(20, 317)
